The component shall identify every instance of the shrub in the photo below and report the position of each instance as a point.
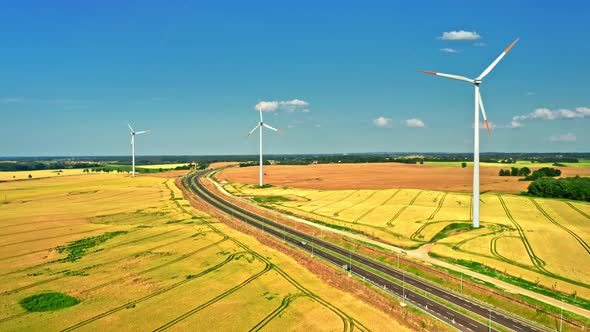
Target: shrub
(48, 302)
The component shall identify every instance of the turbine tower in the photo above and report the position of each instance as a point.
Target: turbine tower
(478, 104)
(133, 133)
(260, 125)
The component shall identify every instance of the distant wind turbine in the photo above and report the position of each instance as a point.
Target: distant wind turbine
(260, 125)
(478, 103)
(133, 133)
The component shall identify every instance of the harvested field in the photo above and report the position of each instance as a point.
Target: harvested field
(384, 176)
(138, 256)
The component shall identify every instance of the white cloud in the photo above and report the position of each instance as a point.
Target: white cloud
(460, 35)
(480, 44)
(382, 122)
(567, 114)
(286, 105)
(515, 124)
(449, 50)
(569, 137)
(318, 126)
(529, 93)
(291, 126)
(547, 114)
(415, 123)
(267, 106)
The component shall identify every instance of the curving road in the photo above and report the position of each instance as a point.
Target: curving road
(366, 268)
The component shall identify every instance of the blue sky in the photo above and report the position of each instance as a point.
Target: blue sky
(74, 73)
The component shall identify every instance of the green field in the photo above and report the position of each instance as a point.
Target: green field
(542, 241)
(106, 251)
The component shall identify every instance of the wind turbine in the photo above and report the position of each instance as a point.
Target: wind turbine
(260, 125)
(478, 104)
(133, 133)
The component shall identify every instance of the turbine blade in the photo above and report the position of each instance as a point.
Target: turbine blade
(251, 131)
(271, 128)
(483, 112)
(142, 132)
(456, 77)
(491, 66)
(260, 111)
(130, 126)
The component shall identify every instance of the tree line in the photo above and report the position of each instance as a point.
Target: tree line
(576, 188)
(528, 176)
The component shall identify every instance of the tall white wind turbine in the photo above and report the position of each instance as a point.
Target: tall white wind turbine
(260, 125)
(478, 104)
(133, 133)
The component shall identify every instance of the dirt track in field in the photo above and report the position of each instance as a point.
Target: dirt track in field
(385, 175)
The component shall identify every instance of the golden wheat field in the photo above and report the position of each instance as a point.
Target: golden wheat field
(545, 241)
(24, 175)
(138, 256)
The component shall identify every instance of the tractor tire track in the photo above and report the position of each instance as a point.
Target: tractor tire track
(390, 222)
(537, 262)
(373, 208)
(55, 237)
(16, 290)
(48, 249)
(416, 234)
(230, 291)
(176, 260)
(287, 300)
(438, 207)
(43, 229)
(37, 222)
(326, 205)
(569, 231)
(149, 296)
(578, 210)
(337, 213)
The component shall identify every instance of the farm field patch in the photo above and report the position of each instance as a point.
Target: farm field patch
(385, 176)
(137, 255)
(521, 236)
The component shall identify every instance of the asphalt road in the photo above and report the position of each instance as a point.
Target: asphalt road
(340, 256)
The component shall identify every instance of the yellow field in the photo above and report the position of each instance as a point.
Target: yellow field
(541, 240)
(22, 175)
(171, 267)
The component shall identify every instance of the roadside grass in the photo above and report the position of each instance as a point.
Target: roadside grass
(450, 230)
(48, 302)
(269, 199)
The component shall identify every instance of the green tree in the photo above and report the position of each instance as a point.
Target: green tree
(463, 165)
(30, 176)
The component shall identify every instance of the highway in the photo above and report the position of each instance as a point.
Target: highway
(365, 268)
